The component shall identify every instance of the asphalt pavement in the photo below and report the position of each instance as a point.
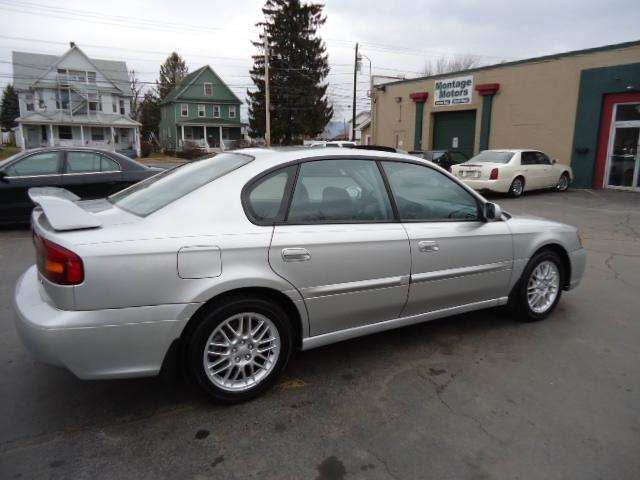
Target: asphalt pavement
(474, 396)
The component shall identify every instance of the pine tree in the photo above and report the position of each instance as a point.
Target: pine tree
(149, 113)
(298, 66)
(172, 71)
(9, 108)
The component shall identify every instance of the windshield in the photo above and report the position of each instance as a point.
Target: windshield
(492, 156)
(166, 187)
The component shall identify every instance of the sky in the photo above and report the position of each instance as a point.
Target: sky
(398, 36)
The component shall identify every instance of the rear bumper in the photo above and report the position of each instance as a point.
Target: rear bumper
(578, 260)
(500, 185)
(114, 343)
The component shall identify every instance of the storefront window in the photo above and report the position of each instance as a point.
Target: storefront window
(627, 112)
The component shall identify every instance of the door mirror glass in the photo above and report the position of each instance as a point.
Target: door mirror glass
(492, 211)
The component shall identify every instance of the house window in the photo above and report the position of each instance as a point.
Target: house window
(216, 111)
(122, 106)
(91, 77)
(28, 100)
(114, 105)
(97, 134)
(62, 99)
(41, 102)
(184, 110)
(208, 89)
(65, 132)
(77, 76)
(232, 111)
(201, 111)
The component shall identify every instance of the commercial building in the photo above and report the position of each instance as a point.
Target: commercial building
(580, 107)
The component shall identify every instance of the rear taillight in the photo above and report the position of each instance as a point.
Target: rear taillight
(56, 263)
(494, 174)
(449, 169)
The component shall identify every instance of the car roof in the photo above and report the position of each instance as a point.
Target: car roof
(269, 158)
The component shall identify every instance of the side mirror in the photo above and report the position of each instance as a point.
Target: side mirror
(492, 211)
(3, 176)
(553, 161)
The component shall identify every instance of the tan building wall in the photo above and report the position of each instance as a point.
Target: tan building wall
(534, 108)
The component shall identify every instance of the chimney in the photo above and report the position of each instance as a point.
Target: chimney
(72, 44)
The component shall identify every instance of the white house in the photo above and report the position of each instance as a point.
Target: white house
(74, 100)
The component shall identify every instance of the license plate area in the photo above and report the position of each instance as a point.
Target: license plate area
(469, 173)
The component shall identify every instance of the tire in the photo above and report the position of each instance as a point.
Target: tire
(563, 182)
(234, 334)
(522, 298)
(517, 187)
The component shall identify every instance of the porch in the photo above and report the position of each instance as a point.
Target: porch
(207, 137)
(103, 137)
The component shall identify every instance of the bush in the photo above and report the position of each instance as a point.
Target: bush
(190, 151)
(145, 149)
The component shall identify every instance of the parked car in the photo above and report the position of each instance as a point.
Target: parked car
(333, 144)
(86, 172)
(381, 148)
(443, 158)
(513, 172)
(229, 263)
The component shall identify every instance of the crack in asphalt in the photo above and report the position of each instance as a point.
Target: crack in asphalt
(616, 274)
(440, 388)
(384, 464)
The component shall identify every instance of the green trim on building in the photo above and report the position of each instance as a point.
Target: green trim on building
(594, 84)
(555, 56)
(417, 143)
(485, 122)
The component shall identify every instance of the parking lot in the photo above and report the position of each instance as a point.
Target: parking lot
(474, 396)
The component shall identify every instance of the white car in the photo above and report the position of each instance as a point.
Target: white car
(513, 172)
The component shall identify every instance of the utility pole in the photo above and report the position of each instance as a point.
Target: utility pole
(267, 96)
(355, 85)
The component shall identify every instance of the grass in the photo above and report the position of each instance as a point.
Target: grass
(8, 150)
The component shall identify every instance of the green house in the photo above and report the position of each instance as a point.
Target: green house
(202, 111)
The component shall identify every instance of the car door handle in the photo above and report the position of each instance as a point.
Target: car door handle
(295, 254)
(428, 246)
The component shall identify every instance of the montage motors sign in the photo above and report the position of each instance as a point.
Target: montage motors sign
(453, 91)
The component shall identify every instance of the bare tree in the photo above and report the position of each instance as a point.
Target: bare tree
(450, 64)
(136, 90)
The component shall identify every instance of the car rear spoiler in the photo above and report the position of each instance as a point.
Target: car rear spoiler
(62, 211)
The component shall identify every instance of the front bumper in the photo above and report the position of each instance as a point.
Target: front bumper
(112, 343)
(500, 185)
(578, 260)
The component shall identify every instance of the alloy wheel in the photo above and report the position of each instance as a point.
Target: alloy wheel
(517, 187)
(241, 351)
(563, 183)
(543, 286)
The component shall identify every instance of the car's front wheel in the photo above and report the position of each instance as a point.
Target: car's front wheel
(540, 287)
(563, 182)
(239, 348)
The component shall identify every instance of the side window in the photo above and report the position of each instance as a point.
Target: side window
(457, 157)
(339, 191)
(38, 164)
(108, 165)
(542, 159)
(83, 162)
(423, 194)
(266, 198)
(528, 158)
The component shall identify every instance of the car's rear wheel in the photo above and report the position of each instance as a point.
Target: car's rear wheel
(239, 348)
(517, 187)
(540, 287)
(563, 182)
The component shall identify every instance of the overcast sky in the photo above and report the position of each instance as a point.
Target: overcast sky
(398, 36)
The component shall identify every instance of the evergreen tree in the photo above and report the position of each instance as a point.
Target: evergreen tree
(298, 66)
(149, 113)
(9, 108)
(172, 71)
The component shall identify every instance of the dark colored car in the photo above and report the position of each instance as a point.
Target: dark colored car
(442, 158)
(89, 173)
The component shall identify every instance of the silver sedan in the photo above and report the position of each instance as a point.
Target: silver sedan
(235, 260)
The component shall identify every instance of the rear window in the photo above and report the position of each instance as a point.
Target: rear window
(160, 190)
(490, 156)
